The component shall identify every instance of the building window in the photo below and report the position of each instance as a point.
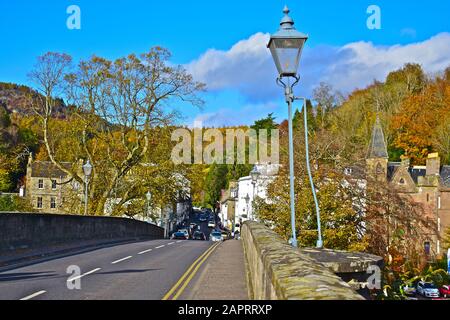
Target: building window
(428, 197)
(54, 184)
(427, 247)
(53, 203)
(402, 181)
(379, 169)
(39, 203)
(41, 183)
(439, 202)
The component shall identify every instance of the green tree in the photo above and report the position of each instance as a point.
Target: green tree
(215, 182)
(15, 204)
(267, 123)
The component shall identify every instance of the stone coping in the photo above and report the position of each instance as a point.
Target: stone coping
(343, 261)
(293, 275)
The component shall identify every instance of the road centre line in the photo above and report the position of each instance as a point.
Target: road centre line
(145, 251)
(123, 259)
(83, 275)
(34, 295)
(171, 243)
(160, 247)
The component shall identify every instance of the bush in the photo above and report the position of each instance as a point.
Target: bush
(14, 204)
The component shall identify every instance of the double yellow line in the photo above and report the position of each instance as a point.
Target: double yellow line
(181, 285)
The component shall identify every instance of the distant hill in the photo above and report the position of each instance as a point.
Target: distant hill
(14, 99)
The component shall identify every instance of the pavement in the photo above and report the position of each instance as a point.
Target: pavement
(223, 276)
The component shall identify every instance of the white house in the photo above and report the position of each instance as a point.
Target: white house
(252, 187)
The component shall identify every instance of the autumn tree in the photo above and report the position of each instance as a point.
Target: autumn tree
(117, 107)
(419, 118)
(396, 227)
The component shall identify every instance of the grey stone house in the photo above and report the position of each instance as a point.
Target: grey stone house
(46, 185)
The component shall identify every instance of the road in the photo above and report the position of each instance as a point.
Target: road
(134, 271)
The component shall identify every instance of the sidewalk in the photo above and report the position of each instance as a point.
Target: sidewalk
(223, 277)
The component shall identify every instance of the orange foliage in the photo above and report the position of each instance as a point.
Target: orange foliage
(418, 117)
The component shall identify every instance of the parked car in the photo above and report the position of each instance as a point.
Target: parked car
(427, 289)
(445, 291)
(185, 231)
(199, 236)
(215, 236)
(225, 235)
(180, 236)
(409, 290)
(211, 224)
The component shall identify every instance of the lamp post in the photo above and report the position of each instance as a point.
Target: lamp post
(149, 198)
(247, 202)
(87, 170)
(286, 47)
(255, 174)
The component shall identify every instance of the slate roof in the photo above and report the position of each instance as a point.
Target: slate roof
(392, 167)
(377, 147)
(415, 173)
(46, 169)
(445, 176)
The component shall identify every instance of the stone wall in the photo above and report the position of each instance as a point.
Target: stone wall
(276, 271)
(20, 230)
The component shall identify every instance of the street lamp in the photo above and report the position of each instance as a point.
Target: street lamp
(286, 47)
(87, 169)
(255, 174)
(149, 198)
(247, 201)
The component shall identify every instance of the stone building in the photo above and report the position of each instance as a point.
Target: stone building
(228, 205)
(46, 186)
(426, 185)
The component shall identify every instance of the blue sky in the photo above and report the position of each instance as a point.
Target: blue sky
(222, 43)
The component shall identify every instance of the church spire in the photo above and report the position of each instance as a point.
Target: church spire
(377, 148)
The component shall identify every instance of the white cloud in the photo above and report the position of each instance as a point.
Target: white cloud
(363, 62)
(248, 67)
(245, 115)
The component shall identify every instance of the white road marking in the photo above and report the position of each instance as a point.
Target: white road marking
(34, 295)
(179, 241)
(159, 247)
(123, 259)
(171, 243)
(144, 252)
(83, 275)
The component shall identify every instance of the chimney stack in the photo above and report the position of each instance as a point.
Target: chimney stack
(433, 164)
(406, 162)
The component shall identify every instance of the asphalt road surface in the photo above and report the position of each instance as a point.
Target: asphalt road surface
(136, 271)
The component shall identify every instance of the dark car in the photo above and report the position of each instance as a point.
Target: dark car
(180, 236)
(203, 218)
(199, 236)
